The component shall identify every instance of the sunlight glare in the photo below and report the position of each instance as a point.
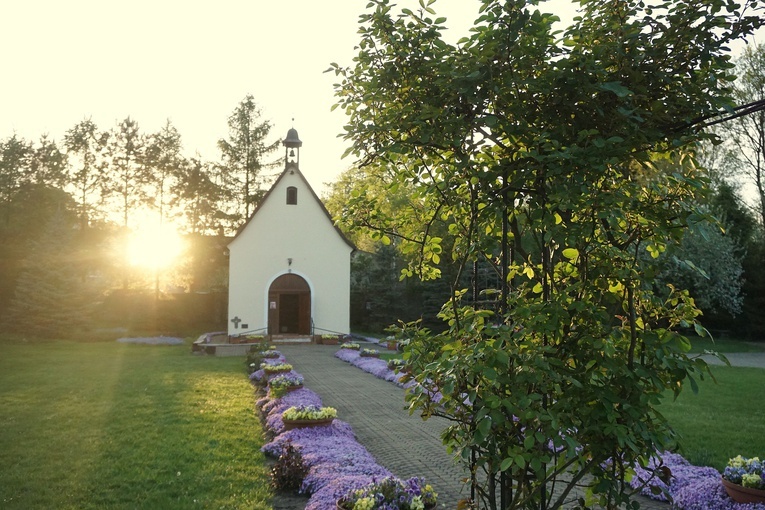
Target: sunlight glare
(154, 248)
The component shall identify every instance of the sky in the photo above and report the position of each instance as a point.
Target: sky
(192, 62)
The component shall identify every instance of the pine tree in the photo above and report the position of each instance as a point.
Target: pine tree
(50, 298)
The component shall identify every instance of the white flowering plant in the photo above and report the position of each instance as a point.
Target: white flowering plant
(275, 368)
(309, 412)
(350, 345)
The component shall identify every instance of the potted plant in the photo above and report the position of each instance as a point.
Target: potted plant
(308, 416)
(391, 493)
(350, 345)
(744, 480)
(396, 364)
(277, 368)
(391, 343)
(270, 354)
(328, 339)
(370, 353)
(281, 384)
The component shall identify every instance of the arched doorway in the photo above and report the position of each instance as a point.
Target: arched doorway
(289, 306)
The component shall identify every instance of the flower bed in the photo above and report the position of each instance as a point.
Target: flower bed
(380, 369)
(337, 464)
(391, 493)
(690, 487)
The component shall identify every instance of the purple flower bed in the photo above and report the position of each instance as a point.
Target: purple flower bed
(336, 462)
(690, 487)
(379, 368)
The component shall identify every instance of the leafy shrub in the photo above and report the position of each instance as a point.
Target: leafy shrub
(288, 472)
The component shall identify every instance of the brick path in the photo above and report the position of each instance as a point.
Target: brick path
(406, 445)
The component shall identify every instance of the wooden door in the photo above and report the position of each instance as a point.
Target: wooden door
(289, 306)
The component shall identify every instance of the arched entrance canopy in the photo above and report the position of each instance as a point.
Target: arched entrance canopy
(289, 306)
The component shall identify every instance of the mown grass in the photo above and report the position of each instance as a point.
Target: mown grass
(724, 344)
(112, 426)
(723, 420)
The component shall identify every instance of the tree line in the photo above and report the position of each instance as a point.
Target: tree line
(70, 205)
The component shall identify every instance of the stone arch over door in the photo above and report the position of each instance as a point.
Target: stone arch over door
(289, 306)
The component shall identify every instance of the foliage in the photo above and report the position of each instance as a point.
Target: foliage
(243, 155)
(745, 136)
(52, 299)
(162, 157)
(558, 162)
(350, 345)
(85, 145)
(289, 470)
(708, 264)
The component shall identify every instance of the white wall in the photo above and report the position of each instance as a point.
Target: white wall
(277, 232)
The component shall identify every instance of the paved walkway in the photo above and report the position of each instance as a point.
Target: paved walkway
(406, 445)
(740, 359)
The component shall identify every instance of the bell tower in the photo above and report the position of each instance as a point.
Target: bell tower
(292, 146)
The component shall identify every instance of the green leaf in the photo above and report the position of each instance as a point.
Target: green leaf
(571, 253)
(617, 88)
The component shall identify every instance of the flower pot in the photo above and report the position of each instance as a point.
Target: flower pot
(296, 424)
(392, 346)
(277, 372)
(343, 505)
(741, 494)
(294, 388)
(365, 355)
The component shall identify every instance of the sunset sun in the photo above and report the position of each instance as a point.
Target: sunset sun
(154, 248)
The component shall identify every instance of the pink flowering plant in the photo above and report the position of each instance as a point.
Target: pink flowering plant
(391, 493)
(745, 472)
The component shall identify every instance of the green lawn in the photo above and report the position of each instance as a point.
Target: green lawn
(723, 420)
(111, 426)
(724, 344)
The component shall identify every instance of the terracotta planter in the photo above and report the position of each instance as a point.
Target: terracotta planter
(741, 494)
(364, 355)
(294, 388)
(297, 424)
(343, 505)
(392, 346)
(272, 373)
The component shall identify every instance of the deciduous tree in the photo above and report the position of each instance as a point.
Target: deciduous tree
(550, 159)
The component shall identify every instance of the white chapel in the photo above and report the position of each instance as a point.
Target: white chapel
(289, 265)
